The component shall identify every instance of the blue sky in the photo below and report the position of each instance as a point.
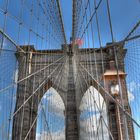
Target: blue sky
(133, 83)
(8, 71)
(124, 13)
(67, 16)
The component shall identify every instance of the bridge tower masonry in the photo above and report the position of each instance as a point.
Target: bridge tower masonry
(71, 108)
(69, 92)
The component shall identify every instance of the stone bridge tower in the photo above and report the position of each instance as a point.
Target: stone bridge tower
(69, 89)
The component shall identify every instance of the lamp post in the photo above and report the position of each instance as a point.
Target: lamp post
(112, 86)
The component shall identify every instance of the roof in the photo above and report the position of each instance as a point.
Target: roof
(113, 73)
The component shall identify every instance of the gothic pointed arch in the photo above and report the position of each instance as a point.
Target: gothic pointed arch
(51, 110)
(93, 116)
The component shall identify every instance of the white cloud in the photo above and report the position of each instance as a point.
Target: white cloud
(15, 75)
(54, 107)
(133, 85)
(90, 96)
(55, 103)
(55, 136)
(130, 96)
(89, 125)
